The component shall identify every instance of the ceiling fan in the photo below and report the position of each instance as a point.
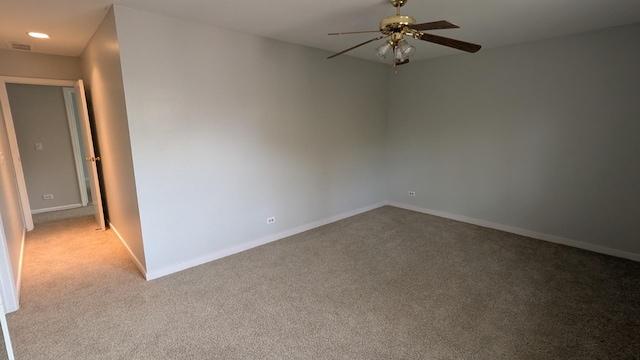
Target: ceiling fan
(397, 26)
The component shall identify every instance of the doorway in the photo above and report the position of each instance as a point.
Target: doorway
(81, 113)
(46, 125)
(19, 216)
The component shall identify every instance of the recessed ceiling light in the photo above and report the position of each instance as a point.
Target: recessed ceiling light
(38, 35)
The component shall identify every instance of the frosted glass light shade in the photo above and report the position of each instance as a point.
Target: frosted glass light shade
(383, 50)
(406, 49)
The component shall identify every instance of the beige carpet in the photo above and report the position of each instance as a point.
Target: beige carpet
(387, 284)
(62, 214)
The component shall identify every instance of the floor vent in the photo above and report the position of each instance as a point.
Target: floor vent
(19, 46)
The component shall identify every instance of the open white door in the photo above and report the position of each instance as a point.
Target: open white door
(91, 158)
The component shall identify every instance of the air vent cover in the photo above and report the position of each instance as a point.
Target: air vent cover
(19, 46)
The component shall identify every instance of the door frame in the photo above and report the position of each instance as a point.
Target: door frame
(13, 139)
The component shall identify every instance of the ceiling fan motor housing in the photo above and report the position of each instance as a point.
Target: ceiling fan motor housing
(396, 23)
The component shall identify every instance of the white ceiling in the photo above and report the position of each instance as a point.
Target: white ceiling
(491, 23)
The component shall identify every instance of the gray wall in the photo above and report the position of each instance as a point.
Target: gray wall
(542, 136)
(229, 129)
(40, 116)
(103, 82)
(26, 64)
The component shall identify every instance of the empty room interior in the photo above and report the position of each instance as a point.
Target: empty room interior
(236, 180)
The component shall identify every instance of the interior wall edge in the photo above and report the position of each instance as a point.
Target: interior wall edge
(102, 77)
(524, 232)
(257, 242)
(133, 256)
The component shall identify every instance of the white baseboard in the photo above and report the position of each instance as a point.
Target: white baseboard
(524, 232)
(257, 242)
(55, 208)
(133, 256)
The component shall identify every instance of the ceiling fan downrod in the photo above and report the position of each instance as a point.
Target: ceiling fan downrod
(398, 3)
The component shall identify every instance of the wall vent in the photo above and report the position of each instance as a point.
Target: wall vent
(19, 46)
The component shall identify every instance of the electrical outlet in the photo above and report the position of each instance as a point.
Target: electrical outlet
(412, 193)
(271, 220)
(48, 197)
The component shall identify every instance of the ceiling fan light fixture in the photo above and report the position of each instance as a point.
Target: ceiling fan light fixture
(383, 50)
(398, 56)
(397, 26)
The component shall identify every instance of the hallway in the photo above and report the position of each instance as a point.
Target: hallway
(65, 260)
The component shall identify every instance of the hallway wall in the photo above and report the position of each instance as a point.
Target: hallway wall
(40, 116)
(26, 64)
(105, 92)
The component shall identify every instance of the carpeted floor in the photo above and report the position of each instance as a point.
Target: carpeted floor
(387, 284)
(62, 214)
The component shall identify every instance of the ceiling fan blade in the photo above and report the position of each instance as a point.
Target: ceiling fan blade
(357, 46)
(435, 25)
(456, 44)
(354, 32)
